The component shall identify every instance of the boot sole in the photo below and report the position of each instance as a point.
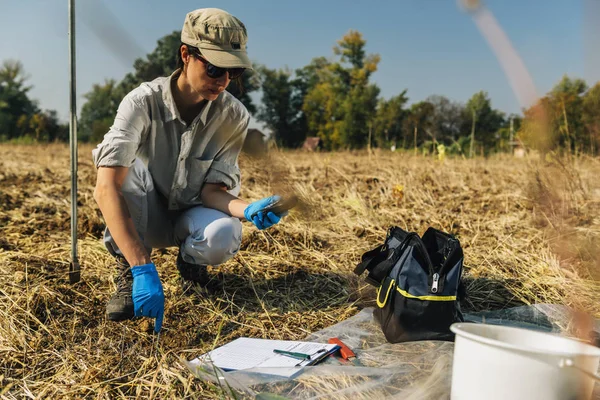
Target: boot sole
(119, 312)
(119, 316)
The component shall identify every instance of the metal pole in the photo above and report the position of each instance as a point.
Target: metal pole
(74, 270)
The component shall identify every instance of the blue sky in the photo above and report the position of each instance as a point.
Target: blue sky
(426, 46)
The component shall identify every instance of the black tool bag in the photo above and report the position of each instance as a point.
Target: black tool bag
(419, 281)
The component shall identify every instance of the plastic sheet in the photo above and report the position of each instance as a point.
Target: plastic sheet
(409, 371)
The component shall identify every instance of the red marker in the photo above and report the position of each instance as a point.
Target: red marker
(345, 351)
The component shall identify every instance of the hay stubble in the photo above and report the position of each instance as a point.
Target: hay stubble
(284, 283)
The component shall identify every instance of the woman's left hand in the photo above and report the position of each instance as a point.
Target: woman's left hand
(256, 213)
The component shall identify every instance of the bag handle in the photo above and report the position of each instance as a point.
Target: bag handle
(372, 258)
(377, 255)
(383, 258)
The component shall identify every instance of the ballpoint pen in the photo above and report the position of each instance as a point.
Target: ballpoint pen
(293, 354)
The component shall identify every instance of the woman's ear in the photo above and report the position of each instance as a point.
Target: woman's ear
(185, 55)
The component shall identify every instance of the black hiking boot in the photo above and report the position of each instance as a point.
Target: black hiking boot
(120, 305)
(194, 277)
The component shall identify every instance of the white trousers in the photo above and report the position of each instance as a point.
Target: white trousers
(204, 236)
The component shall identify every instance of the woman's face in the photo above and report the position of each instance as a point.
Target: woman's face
(195, 69)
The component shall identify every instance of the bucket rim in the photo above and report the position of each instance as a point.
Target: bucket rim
(457, 329)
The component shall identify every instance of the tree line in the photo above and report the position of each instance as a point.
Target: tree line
(20, 116)
(334, 99)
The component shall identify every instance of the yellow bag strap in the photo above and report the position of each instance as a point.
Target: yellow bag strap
(384, 291)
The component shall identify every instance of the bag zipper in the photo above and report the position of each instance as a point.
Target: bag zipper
(434, 275)
(434, 285)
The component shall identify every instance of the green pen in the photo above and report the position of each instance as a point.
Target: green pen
(299, 356)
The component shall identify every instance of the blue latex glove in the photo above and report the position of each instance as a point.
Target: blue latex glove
(263, 220)
(147, 293)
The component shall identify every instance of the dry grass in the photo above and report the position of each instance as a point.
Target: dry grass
(529, 230)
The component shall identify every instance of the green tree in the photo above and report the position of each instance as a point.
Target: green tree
(43, 127)
(281, 107)
(283, 99)
(98, 112)
(309, 76)
(506, 138)
(341, 106)
(591, 117)
(360, 103)
(447, 119)
(418, 124)
(16, 104)
(559, 119)
(360, 109)
(38, 125)
(566, 101)
(56, 130)
(389, 119)
(322, 103)
(483, 122)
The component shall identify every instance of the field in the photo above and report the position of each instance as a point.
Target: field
(529, 229)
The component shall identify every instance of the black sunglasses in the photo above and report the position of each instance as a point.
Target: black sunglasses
(216, 72)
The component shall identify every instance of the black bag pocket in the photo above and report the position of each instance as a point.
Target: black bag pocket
(405, 319)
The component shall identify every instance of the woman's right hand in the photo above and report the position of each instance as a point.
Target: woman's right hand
(147, 294)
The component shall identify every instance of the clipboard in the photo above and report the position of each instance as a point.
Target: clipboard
(258, 355)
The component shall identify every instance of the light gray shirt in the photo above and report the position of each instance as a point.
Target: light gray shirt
(180, 157)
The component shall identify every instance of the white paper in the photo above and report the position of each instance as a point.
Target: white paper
(246, 353)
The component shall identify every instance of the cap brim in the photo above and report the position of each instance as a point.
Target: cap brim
(225, 59)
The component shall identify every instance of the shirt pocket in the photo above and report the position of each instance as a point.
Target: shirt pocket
(198, 169)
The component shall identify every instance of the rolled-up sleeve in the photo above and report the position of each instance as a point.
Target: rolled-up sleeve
(224, 169)
(120, 144)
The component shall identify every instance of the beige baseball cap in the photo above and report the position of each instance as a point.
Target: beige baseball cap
(220, 36)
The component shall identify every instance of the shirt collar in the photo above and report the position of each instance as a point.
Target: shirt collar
(172, 111)
(204, 112)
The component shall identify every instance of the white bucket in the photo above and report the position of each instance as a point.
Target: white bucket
(499, 362)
